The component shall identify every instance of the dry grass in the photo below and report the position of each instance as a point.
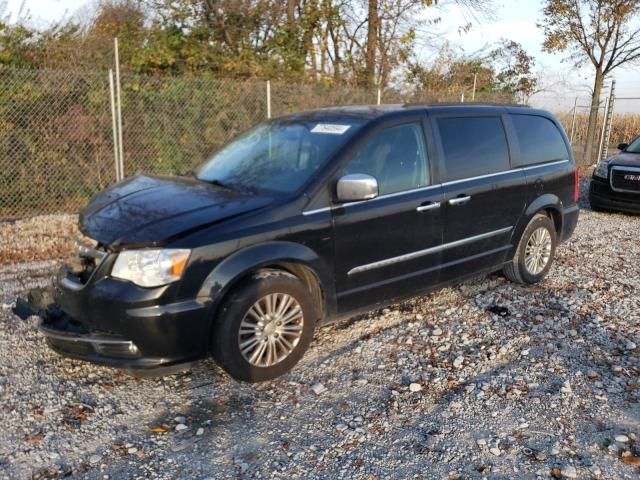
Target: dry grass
(625, 126)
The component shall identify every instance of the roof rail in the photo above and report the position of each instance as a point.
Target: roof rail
(461, 104)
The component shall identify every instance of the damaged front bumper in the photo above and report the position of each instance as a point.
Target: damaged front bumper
(73, 340)
(116, 323)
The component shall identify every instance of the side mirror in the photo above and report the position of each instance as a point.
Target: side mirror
(357, 186)
(623, 146)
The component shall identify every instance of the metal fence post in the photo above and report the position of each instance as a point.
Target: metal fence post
(119, 109)
(114, 126)
(573, 120)
(608, 120)
(475, 81)
(604, 126)
(268, 98)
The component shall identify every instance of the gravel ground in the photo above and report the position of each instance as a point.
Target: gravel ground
(37, 238)
(483, 380)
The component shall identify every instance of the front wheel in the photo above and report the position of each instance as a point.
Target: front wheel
(264, 327)
(535, 252)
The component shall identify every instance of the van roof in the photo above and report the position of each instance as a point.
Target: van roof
(370, 112)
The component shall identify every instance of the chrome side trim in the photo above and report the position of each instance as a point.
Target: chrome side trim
(426, 251)
(379, 197)
(317, 210)
(480, 177)
(452, 182)
(396, 194)
(557, 162)
(504, 172)
(622, 168)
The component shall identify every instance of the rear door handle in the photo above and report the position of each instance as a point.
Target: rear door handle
(459, 200)
(428, 206)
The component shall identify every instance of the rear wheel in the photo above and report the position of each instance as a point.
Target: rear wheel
(264, 327)
(535, 252)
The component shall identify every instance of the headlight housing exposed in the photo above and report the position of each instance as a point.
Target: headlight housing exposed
(602, 169)
(151, 267)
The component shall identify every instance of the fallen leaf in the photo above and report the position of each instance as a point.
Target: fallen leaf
(34, 438)
(634, 461)
(160, 429)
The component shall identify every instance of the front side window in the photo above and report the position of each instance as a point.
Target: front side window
(539, 139)
(473, 146)
(277, 156)
(634, 147)
(396, 157)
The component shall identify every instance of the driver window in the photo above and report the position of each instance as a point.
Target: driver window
(395, 157)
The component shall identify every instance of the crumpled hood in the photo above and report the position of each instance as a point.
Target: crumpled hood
(626, 159)
(148, 210)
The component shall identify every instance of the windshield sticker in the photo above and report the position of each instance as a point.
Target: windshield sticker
(330, 128)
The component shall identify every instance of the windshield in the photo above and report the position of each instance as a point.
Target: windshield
(278, 156)
(634, 147)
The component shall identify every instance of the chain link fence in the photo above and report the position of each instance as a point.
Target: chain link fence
(56, 133)
(56, 147)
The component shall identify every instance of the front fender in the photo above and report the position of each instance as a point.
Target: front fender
(275, 253)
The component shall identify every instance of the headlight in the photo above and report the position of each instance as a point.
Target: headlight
(602, 169)
(150, 267)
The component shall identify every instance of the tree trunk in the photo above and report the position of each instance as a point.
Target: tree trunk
(372, 42)
(588, 158)
(291, 11)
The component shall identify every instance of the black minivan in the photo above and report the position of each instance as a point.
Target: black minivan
(305, 219)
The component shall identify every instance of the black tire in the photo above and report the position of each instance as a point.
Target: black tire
(516, 269)
(225, 336)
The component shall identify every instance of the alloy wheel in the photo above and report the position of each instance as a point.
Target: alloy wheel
(270, 330)
(538, 251)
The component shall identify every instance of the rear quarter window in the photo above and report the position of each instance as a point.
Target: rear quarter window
(473, 146)
(540, 140)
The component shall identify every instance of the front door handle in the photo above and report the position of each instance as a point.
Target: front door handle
(428, 206)
(459, 200)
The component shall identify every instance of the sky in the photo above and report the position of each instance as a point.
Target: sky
(514, 20)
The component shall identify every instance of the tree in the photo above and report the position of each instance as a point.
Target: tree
(602, 32)
(372, 42)
(503, 73)
(513, 67)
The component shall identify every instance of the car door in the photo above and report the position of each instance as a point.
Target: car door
(388, 246)
(483, 196)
